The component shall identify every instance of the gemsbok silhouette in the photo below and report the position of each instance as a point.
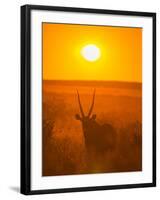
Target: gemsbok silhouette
(98, 138)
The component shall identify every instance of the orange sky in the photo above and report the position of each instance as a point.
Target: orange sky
(121, 53)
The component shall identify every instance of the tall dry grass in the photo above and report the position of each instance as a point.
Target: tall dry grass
(64, 150)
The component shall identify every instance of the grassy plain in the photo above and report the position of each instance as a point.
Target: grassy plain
(116, 103)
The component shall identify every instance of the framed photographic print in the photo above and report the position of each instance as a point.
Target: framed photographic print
(88, 99)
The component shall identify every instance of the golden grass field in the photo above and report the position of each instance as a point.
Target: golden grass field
(116, 103)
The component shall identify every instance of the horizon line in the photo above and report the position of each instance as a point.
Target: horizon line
(93, 80)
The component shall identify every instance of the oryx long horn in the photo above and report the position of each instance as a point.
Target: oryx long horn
(80, 106)
(91, 108)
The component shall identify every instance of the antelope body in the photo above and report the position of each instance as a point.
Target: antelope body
(98, 138)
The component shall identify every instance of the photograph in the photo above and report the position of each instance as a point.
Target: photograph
(88, 99)
(92, 99)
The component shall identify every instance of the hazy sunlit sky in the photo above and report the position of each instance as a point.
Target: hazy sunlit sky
(120, 52)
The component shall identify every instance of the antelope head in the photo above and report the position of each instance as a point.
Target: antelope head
(86, 119)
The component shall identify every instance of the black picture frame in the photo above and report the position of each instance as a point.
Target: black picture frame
(26, 88)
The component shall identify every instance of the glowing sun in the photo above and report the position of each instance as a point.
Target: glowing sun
(91, 52)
